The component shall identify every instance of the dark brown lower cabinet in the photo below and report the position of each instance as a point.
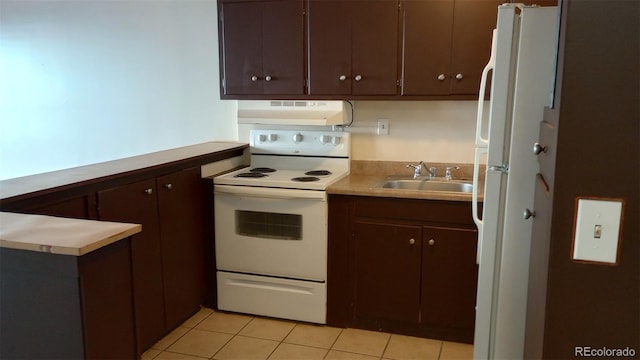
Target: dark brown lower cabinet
(137, 203)
(402, 265)
(387, 271)
(67, 307)
(168, 255)
(181, 220)
(449, 277)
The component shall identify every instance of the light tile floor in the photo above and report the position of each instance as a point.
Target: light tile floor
(225, 336)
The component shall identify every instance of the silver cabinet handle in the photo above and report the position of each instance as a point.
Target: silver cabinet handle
(254, 78)
(168, 186)
(358, 77)
(149, 191)
(431, 242)
(441, 77)
(267, 78)
(342, 78)
(412, 241)
(527, 214)
(537, 149)
(459, 76)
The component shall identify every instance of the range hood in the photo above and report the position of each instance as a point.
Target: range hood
(291, 112)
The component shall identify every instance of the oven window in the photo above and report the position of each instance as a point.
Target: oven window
(269, 225)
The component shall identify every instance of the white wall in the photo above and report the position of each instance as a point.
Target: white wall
(431, 131)
(86, 81)
(92, 80)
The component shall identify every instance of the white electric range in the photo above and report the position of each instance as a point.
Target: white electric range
(271, 224)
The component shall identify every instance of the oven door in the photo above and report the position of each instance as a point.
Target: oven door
(270, 231)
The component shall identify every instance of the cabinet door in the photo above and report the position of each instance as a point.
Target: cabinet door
(329, 45)
(449, 277)
(137, 203)
(241, 44)
(262, 47)
(387, 271)
(353, 47)
(283, 47)
(181, 205)
(473, 24)
(375, 47)
(107, 302)
(427, 47)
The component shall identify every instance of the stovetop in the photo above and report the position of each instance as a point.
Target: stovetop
(293, 159)
(311, 179)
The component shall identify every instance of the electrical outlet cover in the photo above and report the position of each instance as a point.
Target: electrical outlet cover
(597, 230)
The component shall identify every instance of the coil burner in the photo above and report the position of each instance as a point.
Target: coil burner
(305, 179)
(318, 173)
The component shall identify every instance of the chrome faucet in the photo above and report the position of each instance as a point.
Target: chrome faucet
(432, 172)
(448, 175)
(417, 169)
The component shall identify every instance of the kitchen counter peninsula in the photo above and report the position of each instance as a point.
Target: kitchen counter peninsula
(56, 235)
(169, 193)
(67, 285)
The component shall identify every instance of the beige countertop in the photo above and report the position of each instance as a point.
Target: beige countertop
(370, 185)
(60, 235)
(94, 172)
(367, 177)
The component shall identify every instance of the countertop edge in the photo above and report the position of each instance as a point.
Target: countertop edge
(17, 189)
(369, 185)
(61, 236)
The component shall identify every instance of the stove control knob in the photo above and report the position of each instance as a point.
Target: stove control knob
(262, 138)
(336, 140)
(297, 138)
(325, 139)
(273, 137)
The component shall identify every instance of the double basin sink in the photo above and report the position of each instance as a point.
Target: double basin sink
(429, 184)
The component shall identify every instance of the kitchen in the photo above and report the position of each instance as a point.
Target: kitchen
(137, 64)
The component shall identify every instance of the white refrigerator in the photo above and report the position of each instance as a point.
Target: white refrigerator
(522, 70)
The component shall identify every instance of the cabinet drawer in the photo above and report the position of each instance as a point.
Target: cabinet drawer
(429, 211)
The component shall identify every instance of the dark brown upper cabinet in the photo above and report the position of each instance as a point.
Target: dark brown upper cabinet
(353, 47)
(364, 49)
(261, 47)
(446, 45)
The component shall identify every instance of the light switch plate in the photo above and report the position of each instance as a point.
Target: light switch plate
(383, 126)
(597, 230)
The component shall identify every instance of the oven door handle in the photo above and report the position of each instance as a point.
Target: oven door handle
(274, 193)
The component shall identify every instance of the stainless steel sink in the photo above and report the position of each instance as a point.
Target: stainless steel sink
(429, 185)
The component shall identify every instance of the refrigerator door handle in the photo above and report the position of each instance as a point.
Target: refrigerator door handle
(481, 141)
(474, 198)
